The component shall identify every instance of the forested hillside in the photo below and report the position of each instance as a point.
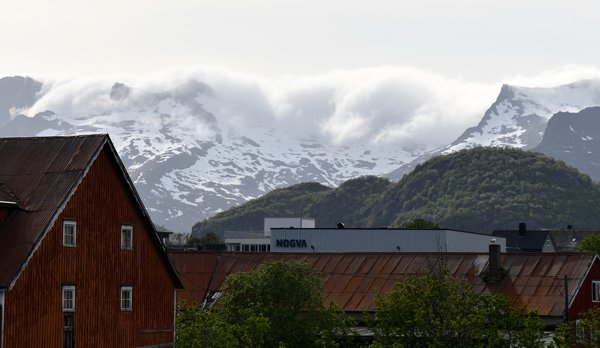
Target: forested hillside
(485, 188)
(479, 189)
(349, 203)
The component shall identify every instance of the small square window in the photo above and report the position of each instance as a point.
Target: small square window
(596, 290)
(126, 298)
(69, 233)
(68, 298)
(126, 237)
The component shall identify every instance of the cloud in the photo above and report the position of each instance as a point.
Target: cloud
(555, 77)
(390, 106)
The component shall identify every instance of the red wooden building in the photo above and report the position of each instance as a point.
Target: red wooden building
(80, 261)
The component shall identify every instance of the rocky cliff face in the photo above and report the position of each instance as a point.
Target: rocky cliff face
(575, 139)
(518, 118)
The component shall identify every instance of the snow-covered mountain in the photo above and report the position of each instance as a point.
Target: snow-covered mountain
(575, 139)
(518, 118)
(194, 149)
(186, 161)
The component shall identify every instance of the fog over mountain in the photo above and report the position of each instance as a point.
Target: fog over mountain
(199, 140)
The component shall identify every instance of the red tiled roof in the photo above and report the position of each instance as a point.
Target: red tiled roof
(353, 280)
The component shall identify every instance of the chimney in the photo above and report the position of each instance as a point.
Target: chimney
(494, 261)
(522, 229)
(495, 272)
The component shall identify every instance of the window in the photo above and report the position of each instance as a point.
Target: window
(68, 298)
(126, 237)
(596, 290)
(126, 298)
(69, 233)
(68, 330)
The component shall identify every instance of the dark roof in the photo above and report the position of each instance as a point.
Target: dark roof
(569, 239)
(41, 174)
(532, 240)
(353, 280)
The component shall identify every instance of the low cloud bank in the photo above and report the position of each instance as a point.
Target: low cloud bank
(405, 107)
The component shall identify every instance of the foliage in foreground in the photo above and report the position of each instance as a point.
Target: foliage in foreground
(280, 304)
(584, 332)
(590, 243)
(438, 310)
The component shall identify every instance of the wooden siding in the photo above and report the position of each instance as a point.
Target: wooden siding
(98, 268)
(4, 213)
(583, 299)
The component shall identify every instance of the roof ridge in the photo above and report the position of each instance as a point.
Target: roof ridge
(91, 135)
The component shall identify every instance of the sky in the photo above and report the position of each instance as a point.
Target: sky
(476, 40)
(393, 72)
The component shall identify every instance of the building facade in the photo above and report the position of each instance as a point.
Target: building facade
(380, 240)
(82, 264)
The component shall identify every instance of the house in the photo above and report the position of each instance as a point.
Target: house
(569, 239)
(80, 261)
(524, 240)
(353, 280)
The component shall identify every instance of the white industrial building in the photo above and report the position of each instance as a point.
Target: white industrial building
(256, 241)
(300, 235)
(380, 240)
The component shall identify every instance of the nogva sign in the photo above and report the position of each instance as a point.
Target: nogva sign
(290, 243)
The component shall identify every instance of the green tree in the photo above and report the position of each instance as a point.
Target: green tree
(420, 224)
(438, 310)
(204, 327)
(590, 243)
(289, 296)
(210, 238)
(584, 332)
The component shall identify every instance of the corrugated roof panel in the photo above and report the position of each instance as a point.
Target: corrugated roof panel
(321, 263)
(355, 291)
(355, 263)
(353, 284)
(367, 264)
(557, 264)
(332, 265)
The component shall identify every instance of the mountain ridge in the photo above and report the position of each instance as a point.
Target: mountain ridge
(191, 153)
(479, 190)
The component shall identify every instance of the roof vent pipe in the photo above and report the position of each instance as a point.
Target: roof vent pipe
(340, 225)
(522, 229)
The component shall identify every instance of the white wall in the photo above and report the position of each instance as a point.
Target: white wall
(287, 223)
(473, 242)
(380, 240)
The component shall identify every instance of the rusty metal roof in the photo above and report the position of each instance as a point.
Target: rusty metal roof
(39, 174)
(353, 280)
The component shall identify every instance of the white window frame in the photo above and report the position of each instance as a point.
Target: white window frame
(65, 290)
(126, 290)
(66, 224)
(595, 290)
(126, 229)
